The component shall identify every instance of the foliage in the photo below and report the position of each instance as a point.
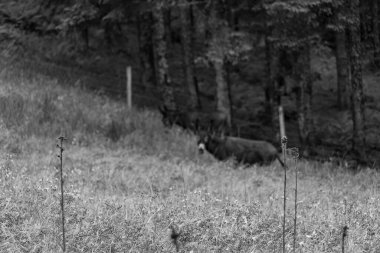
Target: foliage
(78, 14)
(291, 22)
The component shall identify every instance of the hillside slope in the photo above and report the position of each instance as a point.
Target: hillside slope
(128, 181)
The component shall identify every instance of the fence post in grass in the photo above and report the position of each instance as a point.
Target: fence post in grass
(129, 86)
(60, 146)
(282, 121)
(284, 141)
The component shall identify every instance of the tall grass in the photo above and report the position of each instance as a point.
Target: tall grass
(41, 109)
(129, 181)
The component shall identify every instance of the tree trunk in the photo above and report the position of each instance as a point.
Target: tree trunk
(83, 37)
(107, 28)
(217, 57)
(144, 28)
(228, 11)
(188, 63)
(233, 18)
(194, 36)
(159, 45)
(376, 38)
(358, 116)
(228, 66)
(222, 91)
(193, 24)
(168, 26)
(342, 67)
(272, 94)
(272, 99)
(304, 97)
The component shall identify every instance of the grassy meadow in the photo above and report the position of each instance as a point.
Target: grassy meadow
(129, 181)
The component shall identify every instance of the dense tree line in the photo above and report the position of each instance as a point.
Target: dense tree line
(220, 35)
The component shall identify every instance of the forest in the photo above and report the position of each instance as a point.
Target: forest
(240, 60)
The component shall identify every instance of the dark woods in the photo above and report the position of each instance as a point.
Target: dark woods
(195, 121)
(240, 61)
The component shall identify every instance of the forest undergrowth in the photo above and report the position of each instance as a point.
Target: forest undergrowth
(130, 182)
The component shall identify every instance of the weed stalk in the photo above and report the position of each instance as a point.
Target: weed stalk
(344, 235)
(60, 156)
(175, 236)
(295, 155)
(284, 141)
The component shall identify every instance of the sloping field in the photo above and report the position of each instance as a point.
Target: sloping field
(129, 181)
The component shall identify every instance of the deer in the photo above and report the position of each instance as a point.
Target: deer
(244, 151)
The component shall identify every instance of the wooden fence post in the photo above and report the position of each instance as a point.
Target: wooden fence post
(282, 121)
(129, 87)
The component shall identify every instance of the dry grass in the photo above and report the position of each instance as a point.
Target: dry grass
(128, 180)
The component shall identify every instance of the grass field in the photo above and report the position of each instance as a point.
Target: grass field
(128, 181)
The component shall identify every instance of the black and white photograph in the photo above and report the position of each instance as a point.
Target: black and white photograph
(190, 126)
